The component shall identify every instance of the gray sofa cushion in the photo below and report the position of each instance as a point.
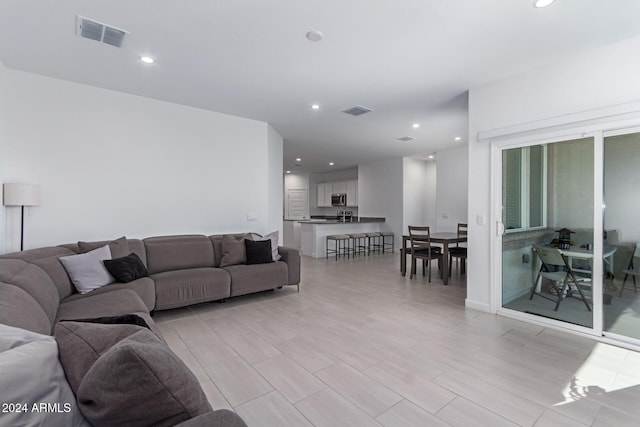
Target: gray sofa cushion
(47, 259)
(167, 253)
(81, 345)
(139, 381)
(246, 279)
(118, 247)
(144, 287)
(19, 309)
(34, 281)
(21, 352)
(115, 303)
(292, 257)
(185, 287)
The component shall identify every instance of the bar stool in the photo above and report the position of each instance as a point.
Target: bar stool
(385, 244)
(341, 245)
(358, 243)
(373, 242)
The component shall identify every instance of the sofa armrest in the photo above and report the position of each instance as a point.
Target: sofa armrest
(219, 418)
(292, 257)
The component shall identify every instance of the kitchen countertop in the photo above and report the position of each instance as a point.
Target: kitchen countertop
(335, 221)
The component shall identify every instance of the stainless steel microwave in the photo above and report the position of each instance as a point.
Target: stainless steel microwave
(338, 199)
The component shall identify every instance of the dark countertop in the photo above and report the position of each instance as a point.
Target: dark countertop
(334, 220)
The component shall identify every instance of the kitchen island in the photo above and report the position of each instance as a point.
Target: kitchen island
(313, 233)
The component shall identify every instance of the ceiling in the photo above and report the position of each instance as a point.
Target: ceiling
(410, 61)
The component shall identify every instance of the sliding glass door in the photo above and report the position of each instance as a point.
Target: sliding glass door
(621, 309)
(547, 218)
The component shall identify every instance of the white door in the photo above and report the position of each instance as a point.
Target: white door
(297, 206)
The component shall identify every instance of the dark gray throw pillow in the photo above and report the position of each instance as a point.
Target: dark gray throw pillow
(127, 319)
(127, 268)
(258, 252)
(140, 382)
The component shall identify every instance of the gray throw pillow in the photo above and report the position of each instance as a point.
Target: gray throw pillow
(233, 251)
(140, 382)
(31, 375)
(119, 247)
(86, 271)
(81, 345)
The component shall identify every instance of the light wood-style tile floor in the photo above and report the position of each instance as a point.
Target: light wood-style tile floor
(360, 345)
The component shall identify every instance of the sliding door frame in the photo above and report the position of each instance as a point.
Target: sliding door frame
(594, 124)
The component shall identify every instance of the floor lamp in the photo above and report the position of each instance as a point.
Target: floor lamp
(21, 195)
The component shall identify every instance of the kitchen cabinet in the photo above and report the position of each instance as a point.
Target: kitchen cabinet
(324, 194)
(352, 193)
(326, 189)
(339, 187)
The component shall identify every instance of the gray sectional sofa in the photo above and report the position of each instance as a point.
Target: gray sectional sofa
(38, 297)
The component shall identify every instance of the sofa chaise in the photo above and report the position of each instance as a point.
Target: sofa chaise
(40, 307)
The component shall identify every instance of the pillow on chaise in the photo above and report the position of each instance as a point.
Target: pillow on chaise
(32, 374)
(86, 271)
(136, 380)
(258, 252)
(126, 269)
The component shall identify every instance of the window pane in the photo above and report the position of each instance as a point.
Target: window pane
(536, 182)
(512, 188)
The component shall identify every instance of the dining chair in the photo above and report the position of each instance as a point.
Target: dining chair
(555, 267)
(631, 270)
(421, 249)
(459, 252)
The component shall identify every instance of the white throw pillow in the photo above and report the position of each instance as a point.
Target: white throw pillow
(87, 271)
(35, 391)
(273, 236)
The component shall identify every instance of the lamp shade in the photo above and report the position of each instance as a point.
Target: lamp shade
(21, 194)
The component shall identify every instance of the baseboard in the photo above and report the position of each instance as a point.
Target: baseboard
(480, 306)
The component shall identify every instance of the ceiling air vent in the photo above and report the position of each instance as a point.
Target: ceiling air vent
(358, 110)
(405, 138)
(94, 30)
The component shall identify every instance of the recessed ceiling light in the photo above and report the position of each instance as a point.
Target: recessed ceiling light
(147, 59)
(298, 159)
(288, 171)
(331, 163)
(457, 138)
(542, 3)
(315, 107)
(431, 156)
(415, 125)
(314, 35)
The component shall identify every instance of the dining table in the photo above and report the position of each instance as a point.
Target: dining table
(443, 238)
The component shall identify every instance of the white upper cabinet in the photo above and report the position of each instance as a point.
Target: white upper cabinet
(352, 193)
(324, 194)
(326, 189)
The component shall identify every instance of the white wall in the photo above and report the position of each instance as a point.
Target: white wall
(431, 187)
(586, 81)
(380, 193)
(452, 189)
(415, 191)
(275, 189)
(111, 164)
